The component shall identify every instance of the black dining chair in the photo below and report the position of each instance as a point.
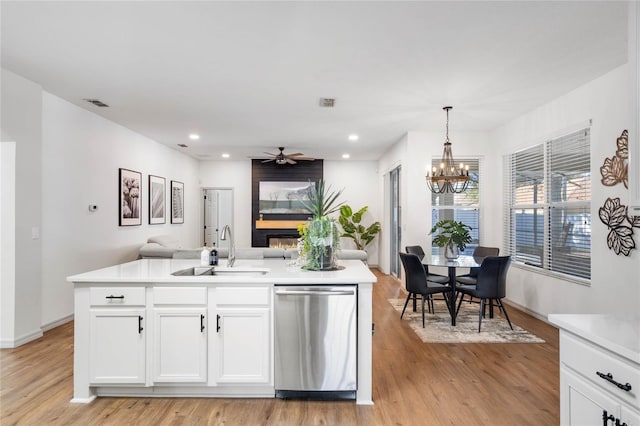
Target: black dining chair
(491, 285)
(417, 283)
(436, 278)
(479, 253)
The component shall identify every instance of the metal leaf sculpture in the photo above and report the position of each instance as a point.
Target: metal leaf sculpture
(616, 168)
(620, 224)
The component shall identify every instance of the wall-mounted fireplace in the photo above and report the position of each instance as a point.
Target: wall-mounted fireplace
(282, 241)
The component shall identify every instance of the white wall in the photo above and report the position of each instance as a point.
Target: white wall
(21, 119)
(82, 154)
(615, 282)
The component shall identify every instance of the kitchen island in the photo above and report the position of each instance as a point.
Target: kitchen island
(142, 331)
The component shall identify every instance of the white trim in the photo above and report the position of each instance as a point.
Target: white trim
(553, 274)
(57, 323)
(585, 124)
(25, 338)
(528, 311)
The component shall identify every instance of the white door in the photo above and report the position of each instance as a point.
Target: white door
(243, 346)
(218, 211)
(179, 345)
(117, 346)
(583, 403)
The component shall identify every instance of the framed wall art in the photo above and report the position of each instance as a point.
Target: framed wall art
(130, 207)
(177, 202)
(157, 207)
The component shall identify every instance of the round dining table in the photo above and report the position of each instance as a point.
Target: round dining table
(452, 264)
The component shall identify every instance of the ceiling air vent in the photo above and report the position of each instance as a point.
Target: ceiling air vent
(181, 145)
(327, 102)
(96, 102)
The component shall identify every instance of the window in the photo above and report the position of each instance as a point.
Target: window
(464, 207)
(548, 202)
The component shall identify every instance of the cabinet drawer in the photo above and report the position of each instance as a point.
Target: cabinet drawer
(588, 359)
(117, 296)
(179, 295)
(243, 296)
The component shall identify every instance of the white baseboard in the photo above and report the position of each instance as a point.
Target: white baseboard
(25, 338)
(534, 314)
(53, 324)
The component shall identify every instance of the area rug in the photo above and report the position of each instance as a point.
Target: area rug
(438, 328)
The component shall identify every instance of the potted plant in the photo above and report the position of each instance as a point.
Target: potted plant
(352, 227)
(453, 236)
(320, 236)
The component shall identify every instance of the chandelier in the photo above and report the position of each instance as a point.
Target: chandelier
(448, 178)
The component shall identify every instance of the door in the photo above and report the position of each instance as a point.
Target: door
(117, 346)
(395, 225)
(583, 403)
(218, 211)
(243, 345)
(179, 345)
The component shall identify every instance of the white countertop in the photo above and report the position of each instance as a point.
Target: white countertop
(617, 333)
(280, 271)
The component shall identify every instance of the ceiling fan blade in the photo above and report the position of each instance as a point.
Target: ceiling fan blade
(290, 161)
(270, 159)
(305, 158)
(268, 153)
(293, 155)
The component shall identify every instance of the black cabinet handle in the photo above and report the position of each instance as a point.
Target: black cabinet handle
(201, 323)
(140, 324)
(606, 417)
(218, 323)
(609, 378)
(620, 424)
(115, 297)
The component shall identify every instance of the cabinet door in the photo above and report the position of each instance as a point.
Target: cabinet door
(629, 416)
(243, 346)
(179, 345)
(117, 346)
(583, 403)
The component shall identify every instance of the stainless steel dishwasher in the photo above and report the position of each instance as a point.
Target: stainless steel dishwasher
(315, 335)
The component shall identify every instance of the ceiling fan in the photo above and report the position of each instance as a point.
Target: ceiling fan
(282, 158)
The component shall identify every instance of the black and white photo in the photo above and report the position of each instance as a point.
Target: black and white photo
(157, 209)
(130, 197)
(177, 202)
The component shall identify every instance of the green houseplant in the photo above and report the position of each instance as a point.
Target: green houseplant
(320, 236)
(354, 229)
(453, 236)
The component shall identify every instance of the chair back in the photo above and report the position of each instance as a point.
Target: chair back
(492, 277)
(414, 273)
(417, 250)
(483, 252)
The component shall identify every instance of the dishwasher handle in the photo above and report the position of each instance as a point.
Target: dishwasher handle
(315, 292)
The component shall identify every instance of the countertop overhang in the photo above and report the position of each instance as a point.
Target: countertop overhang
(281, 271)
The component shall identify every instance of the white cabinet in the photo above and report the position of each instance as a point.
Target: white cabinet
(117, 337)
(589, 391)
(241, 348)
(179, 351)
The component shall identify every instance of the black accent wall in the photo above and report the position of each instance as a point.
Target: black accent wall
(303, 171)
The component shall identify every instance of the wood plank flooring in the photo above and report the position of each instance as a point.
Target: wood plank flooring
(414, 383)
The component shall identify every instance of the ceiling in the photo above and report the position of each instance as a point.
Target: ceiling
(247, 76)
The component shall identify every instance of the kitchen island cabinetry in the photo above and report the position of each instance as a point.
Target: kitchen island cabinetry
(141, 331)
(599, 370)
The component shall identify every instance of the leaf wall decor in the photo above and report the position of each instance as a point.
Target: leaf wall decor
(616, 169)
(620, 224)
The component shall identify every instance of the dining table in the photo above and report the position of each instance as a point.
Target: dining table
(462, 261)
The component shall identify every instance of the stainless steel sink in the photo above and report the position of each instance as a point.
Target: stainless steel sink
(220, 270)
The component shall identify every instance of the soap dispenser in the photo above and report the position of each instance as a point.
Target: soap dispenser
(213, 256)
(204, 256)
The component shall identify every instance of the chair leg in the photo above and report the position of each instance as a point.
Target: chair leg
(405, 304)
(459, 303)
(504, 309)
(415, 297)
(424, 296)
(480, 314)
(490, 308)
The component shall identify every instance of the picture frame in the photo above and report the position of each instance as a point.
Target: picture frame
(177, 202)
(157, 205)
(129, 197)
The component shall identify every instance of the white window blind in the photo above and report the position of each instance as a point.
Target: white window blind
(463, 207)
(547, 196)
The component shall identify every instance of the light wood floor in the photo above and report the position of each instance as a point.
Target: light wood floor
(413, 384)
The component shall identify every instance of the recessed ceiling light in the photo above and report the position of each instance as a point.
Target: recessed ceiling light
(194, 136)
(225, 155)
(345, 156)
(353, 137)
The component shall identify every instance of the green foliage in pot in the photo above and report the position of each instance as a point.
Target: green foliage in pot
(354, 229)
(451, 233)
(320, 236)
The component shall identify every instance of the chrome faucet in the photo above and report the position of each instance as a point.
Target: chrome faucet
(232, 249)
